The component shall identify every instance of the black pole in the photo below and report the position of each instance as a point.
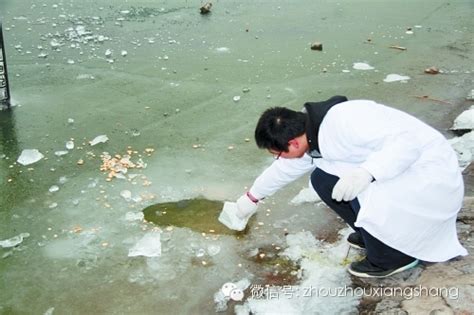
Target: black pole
(4, 76)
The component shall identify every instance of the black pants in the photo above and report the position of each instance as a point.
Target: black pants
(378, 253)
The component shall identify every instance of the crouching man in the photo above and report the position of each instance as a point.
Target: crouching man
(391, 177)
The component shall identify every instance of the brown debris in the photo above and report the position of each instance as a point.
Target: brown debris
(432, 70)
(397, 47)
(206, 8)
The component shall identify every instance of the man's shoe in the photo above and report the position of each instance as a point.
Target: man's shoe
(365, 269)
(355, 240)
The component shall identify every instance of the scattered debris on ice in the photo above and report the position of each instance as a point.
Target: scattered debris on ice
(14, 241)
(148, 246)
(396, 77)
(323, 271)
(29, 156)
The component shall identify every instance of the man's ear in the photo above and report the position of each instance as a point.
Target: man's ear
(294, 142)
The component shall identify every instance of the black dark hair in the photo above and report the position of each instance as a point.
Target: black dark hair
(277, 126)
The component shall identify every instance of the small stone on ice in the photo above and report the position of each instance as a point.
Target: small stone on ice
(123, 53)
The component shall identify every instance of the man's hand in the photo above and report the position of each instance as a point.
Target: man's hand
(236, 215)
(350, 185)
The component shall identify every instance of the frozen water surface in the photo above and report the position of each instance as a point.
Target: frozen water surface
(159, 79)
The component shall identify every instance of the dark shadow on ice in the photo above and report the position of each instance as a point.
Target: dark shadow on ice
(199, 215)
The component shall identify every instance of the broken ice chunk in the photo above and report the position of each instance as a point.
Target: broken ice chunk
(134, 216)
(465, 120)
(70, 145)
(29, 156)
(126, 194)
(14, 241)
(362, 66)
(99, 139)
(148, 246)
(60, 153)
(53, 188)
(395, 77)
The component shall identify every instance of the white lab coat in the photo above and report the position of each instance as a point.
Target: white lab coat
(413, 203)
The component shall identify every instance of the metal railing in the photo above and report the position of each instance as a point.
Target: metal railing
(4, 86)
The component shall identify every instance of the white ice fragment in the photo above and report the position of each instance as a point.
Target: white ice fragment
(409, 32)
(81, 30)
(101, 38)
(465, 120)
(165, 57)
(108, 53)
(149, 246)
(53, 205)
(60, 153)
(126, 194)
(14, 241)
(123, 53)
(236, 98)
(222, 49)
(42, 55)
(53, 188)
(29, 156)
(134, 216)
(307, 194)
(54, 43)
(99, 139)
(70, 61)
(395, 77)
(213, 250)
(70, 121)
(70, 145)
(49, 311)
(362, 66)
(124, 12)
(470, 96)
(464, 148)
(62, 180)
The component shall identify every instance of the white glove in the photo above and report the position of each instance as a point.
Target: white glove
(236, 215)
(350, 185)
